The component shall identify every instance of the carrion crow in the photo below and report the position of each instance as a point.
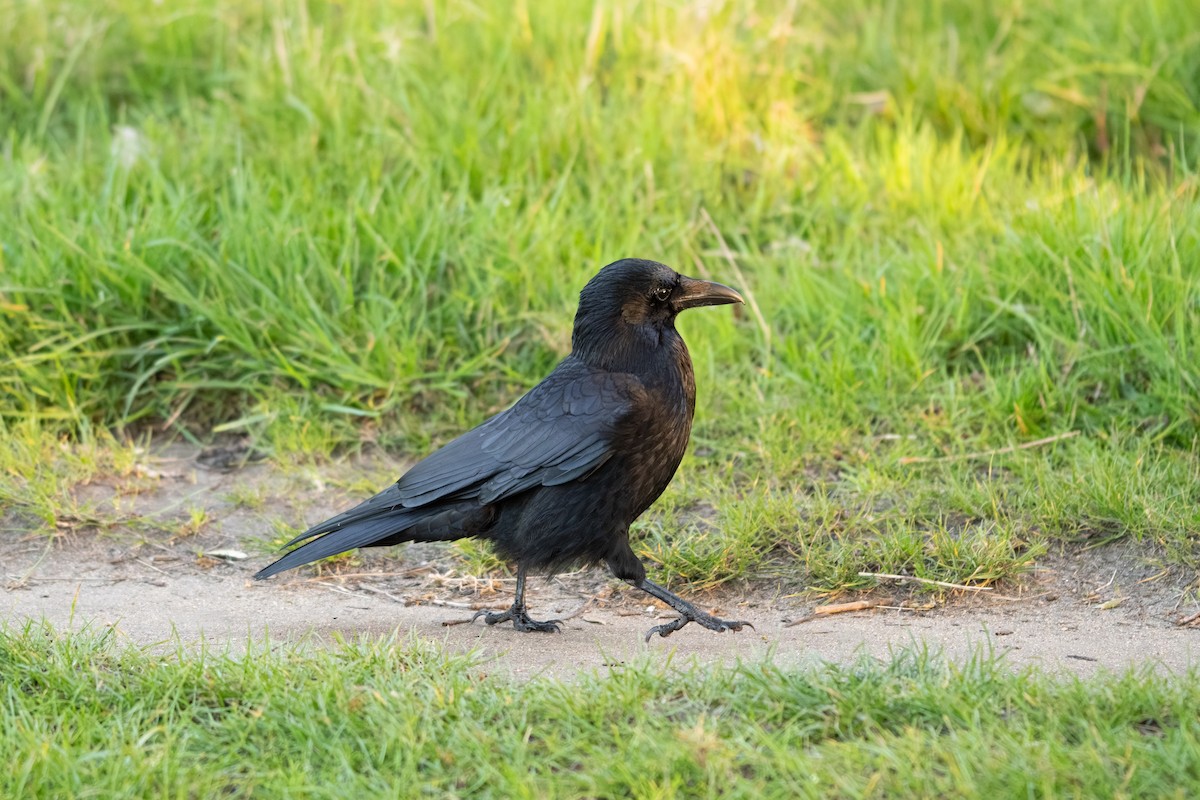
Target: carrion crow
(557, 479)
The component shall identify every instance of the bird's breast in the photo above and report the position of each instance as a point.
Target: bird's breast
(654, 447)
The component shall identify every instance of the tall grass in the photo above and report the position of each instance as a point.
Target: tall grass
(962, 225)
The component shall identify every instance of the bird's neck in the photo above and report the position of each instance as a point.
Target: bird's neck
(657, 356)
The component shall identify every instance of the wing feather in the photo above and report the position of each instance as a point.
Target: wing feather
(560, 431)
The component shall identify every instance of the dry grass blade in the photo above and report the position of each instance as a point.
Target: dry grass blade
(855, 605)
(928, 581)
(743, 286)
(989, 453)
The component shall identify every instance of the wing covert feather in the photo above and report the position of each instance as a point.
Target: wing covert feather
(561, 430)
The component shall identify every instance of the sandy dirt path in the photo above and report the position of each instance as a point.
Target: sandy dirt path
(155, 587)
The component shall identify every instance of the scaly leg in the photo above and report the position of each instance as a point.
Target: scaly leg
(516, 613)
(687, 613)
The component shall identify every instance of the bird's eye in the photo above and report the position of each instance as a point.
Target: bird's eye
(662, 293)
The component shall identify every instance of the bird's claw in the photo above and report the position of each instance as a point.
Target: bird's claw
(520, 620)
(707, 620)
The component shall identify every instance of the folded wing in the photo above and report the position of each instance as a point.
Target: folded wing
(561, 431)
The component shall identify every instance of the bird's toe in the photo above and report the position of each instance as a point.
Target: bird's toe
(524, 623)
(706, 620)
(667, 628)
(520, 620)
(493, 617)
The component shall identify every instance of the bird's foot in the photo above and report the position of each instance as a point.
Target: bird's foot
(520, 620)
(700, 618)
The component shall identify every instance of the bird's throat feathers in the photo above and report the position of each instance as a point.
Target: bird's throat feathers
(647, 350)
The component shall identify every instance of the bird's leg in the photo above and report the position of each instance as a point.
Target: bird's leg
(520, 619)
(687, 613)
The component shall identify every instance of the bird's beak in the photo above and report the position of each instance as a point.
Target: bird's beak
(693, 293)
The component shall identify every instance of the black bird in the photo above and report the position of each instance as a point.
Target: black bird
(557, 479)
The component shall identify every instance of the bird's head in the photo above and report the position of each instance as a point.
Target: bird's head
(632, 303)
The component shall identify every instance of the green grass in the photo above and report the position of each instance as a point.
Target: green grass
(962, 228)
(87, 717)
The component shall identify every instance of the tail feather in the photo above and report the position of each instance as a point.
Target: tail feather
(373, 525)
(384, 504)
(355, 534)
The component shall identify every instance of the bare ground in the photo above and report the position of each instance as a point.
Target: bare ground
(150, 554)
